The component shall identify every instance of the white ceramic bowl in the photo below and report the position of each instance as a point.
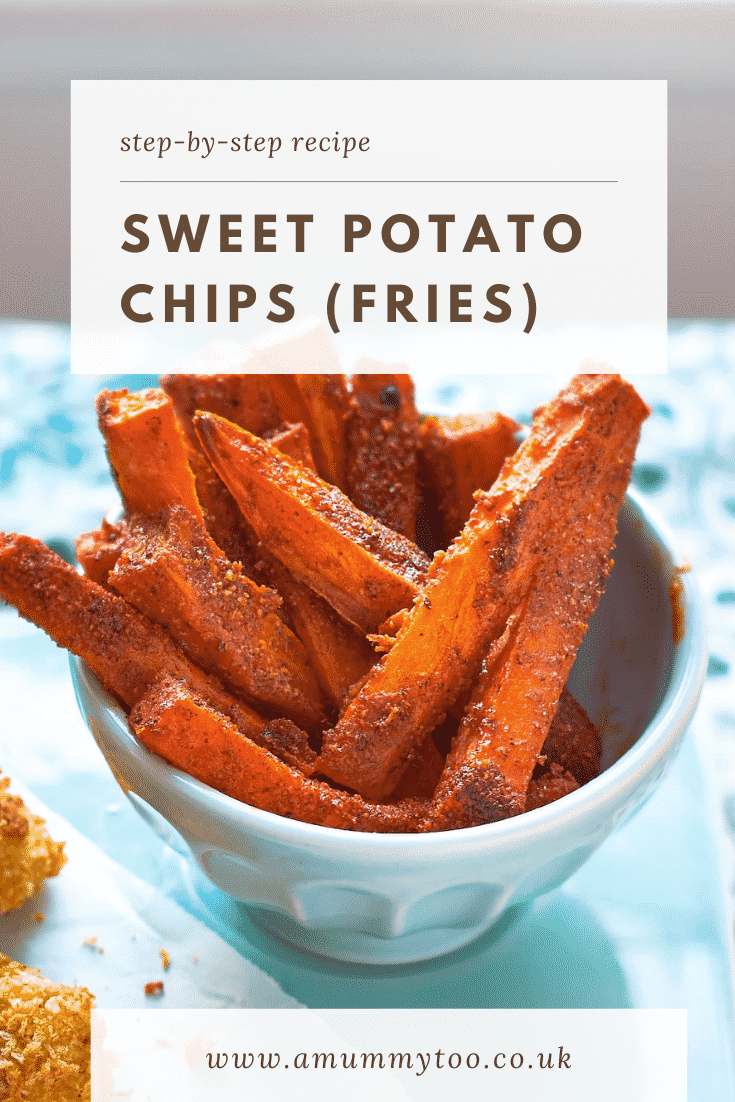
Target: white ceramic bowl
(392, 899)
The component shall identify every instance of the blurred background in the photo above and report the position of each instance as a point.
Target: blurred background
(46, 43)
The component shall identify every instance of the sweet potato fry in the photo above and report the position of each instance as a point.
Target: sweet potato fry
(461, 455)
(573, 741)
(476, 585)
(173, 572)
(364, 570)
(125, 650)
(501, 737)
(292, 438)
(147, 451)
(98, 551)
(339, 655)
(422, 775)
(323, 402)
(222, 517)
(183, 728)
(318, 398)
(551, 784)
(570, 755)
(382, 436)
(246, 400)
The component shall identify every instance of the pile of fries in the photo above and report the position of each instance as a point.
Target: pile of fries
(334, 609)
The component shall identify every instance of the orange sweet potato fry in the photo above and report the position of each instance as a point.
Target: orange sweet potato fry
(502, 734)
(460, 455)
(246, 400)
(222, 518)
(573, 741)
(339, 655)
(125, 650)
(184, 729)
(570, 756)
(473, 588)
(363, 569)
(324, 399)
(98, 551)
(382, 435)
(147, 451)
(293, 440)
(174, 573)
(551, 784)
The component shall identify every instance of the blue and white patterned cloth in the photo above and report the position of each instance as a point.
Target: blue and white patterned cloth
(642, 921)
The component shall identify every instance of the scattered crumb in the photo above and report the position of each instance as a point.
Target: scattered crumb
(39, 916)
(154, 988)
(165, 959)
(133, 935)
(195, 960)
(91, 943)
(27, 853)
(45, 1034)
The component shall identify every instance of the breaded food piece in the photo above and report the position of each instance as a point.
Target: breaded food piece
(147, 450)
(173, 572)
(363, 569)
(382, 435)
(531, 516)
(28, 855)
(45, 1037)
(460, 455)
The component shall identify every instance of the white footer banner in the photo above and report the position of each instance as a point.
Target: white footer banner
(431, 1055)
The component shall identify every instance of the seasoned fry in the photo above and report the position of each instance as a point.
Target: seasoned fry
(382, 436)
(173, 572)
(460, 455)
(364, 570)
(573, 741)
(320, 402)
(501, 737)
(339, 655)
(222, 517)
(246, 400)
(551, 784)
(98, 551)
(293, 440)
(182, 727)
(484, 576)
(125, 650)
(147, 451)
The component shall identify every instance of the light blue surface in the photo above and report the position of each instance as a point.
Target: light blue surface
(642, 924)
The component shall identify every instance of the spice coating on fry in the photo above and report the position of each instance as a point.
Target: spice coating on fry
(363, 569)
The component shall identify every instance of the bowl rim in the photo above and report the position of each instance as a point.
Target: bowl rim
(674, 712)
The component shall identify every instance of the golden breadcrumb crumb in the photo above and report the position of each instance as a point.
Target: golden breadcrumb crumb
(165, 959)
(27, 853)
(155, 988)
(45, 1031)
